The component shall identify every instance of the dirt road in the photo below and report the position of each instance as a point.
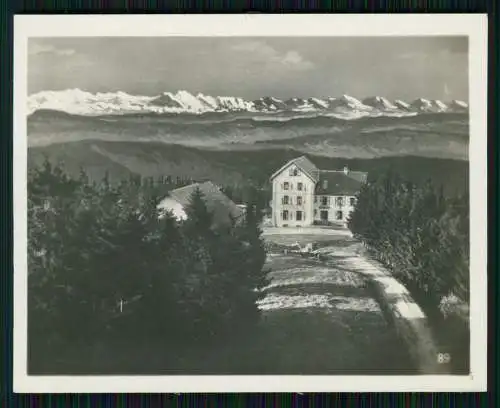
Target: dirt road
(320, 319)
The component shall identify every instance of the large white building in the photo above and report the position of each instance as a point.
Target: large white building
(304, 195)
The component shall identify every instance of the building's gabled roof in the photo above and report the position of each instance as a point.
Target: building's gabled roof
(306, 165)
(222, 207)
(340, 183)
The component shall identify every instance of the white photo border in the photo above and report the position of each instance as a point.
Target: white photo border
(474, 26)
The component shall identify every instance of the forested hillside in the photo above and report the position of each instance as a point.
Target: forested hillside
(121, 159)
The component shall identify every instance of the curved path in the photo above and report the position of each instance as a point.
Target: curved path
(323, 319)
(317, 318)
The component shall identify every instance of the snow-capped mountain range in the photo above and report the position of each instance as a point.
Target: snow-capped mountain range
(78, 102)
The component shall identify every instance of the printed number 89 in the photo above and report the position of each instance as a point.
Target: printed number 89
(443, 358)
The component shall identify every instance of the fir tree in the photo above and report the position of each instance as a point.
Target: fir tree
(199, 218)
(415, 231)
(104, 268)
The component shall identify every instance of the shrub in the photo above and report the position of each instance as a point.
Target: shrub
(418, 233)
(104, 268)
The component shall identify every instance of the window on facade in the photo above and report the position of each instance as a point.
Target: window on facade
(324, 200)
(352, 201)
(339, 201)
(286, 185)
(315, 213)
(295, 172)
(285, 199)
(315, 199)
(298, 216)
(284, 215)
(339, 215)
(299, 186)
(299, 200)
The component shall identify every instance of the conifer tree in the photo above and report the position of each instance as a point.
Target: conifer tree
(105, 268)
(418, 233)
(199, 218)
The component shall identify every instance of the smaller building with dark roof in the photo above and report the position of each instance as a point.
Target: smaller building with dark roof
(305, 195)
(220, 205)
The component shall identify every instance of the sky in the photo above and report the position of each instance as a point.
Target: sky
(251, 67)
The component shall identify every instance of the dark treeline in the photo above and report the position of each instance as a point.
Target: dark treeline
(259, 195)
(420, 234)
(106, 270)
(422, 237)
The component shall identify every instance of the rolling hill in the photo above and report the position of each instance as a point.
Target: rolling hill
(430, 134)
(122, 159)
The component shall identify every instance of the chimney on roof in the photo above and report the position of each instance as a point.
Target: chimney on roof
(325, 184)
(346, 170)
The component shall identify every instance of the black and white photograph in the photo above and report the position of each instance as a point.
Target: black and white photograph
(257, 201)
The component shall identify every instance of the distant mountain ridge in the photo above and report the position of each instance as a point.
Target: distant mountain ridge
(78, 102)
